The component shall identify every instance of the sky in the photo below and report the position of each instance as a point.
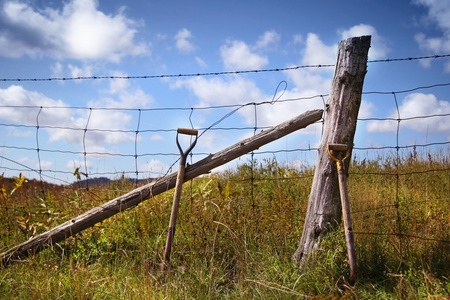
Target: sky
(115, 39)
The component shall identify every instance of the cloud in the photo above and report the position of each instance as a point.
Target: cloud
(182, 41)
(85, 71)
(238, 55)
(310, 82)
(217, 90)
(378, 48)
(297, 39)
(271, 115)
(25, 109)
(156, 137)
(365, 110)
(73, 71)
(239, 90)
(316, 52)
(24, 114)
(126, 95)
(77, 31)
(211, 141)
(268, 39)
(45, 164)
(73, 164)
(439, 14)
(154, 166)
(417, 105)
(15, 132)
(201, 62)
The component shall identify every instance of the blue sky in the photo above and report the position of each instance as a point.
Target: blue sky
(54, 39)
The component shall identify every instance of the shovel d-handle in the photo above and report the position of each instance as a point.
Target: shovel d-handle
(186, 131)
(178, 189)
(343, 190)
(338, 148)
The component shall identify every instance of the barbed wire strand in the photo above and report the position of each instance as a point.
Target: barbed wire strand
(217, 73)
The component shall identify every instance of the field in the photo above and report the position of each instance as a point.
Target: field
(236, 234)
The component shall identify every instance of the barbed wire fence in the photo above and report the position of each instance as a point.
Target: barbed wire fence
(136, 154)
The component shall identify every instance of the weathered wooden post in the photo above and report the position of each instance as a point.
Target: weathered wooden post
(324, 207)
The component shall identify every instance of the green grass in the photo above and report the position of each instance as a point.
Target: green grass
(235, 237)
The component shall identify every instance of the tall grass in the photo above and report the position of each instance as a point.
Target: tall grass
(236, 234)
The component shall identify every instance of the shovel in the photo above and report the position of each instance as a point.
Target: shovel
(345, 205)
(178, 188)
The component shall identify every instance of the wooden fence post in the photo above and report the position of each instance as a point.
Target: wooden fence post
(324, 207)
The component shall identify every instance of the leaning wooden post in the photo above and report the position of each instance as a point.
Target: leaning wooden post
(136, 196)
(324, 207)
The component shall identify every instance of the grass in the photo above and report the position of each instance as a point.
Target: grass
(236, 236)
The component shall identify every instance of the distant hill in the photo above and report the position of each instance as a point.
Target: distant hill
(9, 182)
(106, 181)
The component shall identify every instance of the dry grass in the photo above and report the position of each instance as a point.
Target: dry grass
(236, 236)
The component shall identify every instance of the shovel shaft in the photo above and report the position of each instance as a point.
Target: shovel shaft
(175, 205)
(347, 224)
(345, 205)
(178, 189)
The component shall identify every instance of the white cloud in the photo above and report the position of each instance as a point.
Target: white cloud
(238, 55)
(217, 90)
(211, 141)
(154, 166)
(45, 164)
(156, 137)
(310, 82)
(271, 115)
(316, 52)
(18, 96)
(415, 105)
(268, 39)
(73, 71)
(161, 36)
(239, 90)
(73, 164)
(378, 47)
(78, 31)
(57, 69)
(182, 41)
(56, 113)
(366, 109)
(95, 151)
(201, 62)
(298, 39)
(20, 133)
(128, 96)
(438, 13)
(85, 71)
